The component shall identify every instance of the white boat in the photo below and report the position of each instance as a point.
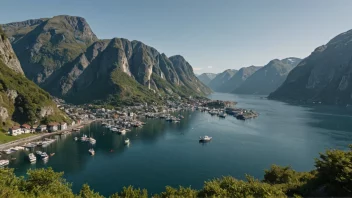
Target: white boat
(76, 138)
(38, 152)
(84, 138)
(222, 115)
(92, 140)
(44, 156)
(205, 139)
(8, 151)
(114, 129)
(91, 151)
(122, 131)
(29, 145)
(32, 158)
(4, 163)
(127, 141)
(168, 119)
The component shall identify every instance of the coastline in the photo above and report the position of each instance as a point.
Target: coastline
(39, 136)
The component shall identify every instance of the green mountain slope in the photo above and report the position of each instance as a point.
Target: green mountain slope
(268, 78)
(21, 100)
(324, 76)
(44, 45)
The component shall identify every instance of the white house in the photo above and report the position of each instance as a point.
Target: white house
(63, 126)
(42, 128)
(53, 126)
(15, 130)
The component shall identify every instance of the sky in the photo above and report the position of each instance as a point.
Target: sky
(212, 35)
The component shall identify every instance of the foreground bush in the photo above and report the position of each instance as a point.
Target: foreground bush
(332, 177)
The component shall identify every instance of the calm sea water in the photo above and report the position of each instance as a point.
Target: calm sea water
(163, 153)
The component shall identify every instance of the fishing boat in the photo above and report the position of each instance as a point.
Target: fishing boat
(32, 158)
(44, 156)
(91, 151)
(127, 141)
(205, 139)
(4, 163)
(92, 140)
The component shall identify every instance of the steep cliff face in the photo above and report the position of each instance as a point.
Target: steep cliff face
(21, 100)
(7, 55)
(44, 45)
(220, 82)
(268, 78)
(323, 76)
(90, 76)
(63, 56)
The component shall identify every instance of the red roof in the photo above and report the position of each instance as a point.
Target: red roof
(26, 126)
(15, 127)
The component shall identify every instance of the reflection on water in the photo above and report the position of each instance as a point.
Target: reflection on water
(163, 153)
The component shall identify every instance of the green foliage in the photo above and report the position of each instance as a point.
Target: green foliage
(30, 100)
(86, 192)
(332, 178)
(335, 171)
(130, 192)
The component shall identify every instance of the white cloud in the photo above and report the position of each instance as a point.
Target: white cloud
(210, 67)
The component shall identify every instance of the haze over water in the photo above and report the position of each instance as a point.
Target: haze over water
(163, 153)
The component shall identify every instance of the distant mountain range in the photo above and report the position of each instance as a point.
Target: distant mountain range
(205, 78)
(268, 78)
(324, 76)
(21, 101)
(254, 79)
(64, 56)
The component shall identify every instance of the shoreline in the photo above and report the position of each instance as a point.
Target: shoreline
(39, 136)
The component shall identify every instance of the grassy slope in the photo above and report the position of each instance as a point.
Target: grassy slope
(29, 101)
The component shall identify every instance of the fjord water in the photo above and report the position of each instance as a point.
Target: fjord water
(163, 153)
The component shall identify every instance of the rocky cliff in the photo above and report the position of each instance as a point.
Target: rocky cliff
(268, 78)
(324, 76)
(21, 100)
(65, 58)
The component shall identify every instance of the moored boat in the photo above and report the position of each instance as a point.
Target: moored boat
(32, 158)
(127, 141)
(44, 156)
(4, 163)
(91, 151)
(205, 139)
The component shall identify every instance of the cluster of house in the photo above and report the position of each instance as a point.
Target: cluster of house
(51, 127)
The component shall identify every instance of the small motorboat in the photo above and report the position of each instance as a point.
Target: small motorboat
(76, 138)
(44, 156)
(92, 140)
(84, 138)
(91, 151)
(127, 141)
(52, 154)
(205, 139)
(32, 158)
(4, 163)
(38, 152)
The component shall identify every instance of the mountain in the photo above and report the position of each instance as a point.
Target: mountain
(268, 78)
(64, 57)
(231, 79)
(21, 100)
(221, 80)
(205, 78)
(44, 45)
(324, 76)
